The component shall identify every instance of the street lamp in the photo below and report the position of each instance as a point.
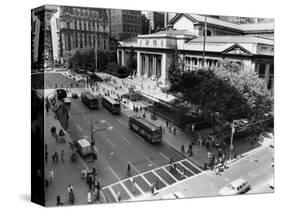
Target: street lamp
(100, 121)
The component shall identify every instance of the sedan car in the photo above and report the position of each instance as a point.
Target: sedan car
(237, 186)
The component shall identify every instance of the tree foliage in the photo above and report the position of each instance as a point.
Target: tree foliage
(230, 91)
(86, 59)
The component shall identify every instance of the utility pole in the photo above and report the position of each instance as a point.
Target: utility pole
(204, 42)
(92, 138)
(231, 140)
(96, 48)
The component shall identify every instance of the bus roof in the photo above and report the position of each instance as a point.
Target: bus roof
(145, 122)
(109, 99)
(89, 95)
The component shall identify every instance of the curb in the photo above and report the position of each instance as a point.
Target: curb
(187, 157)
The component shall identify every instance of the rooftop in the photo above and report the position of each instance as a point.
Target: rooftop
(234, 39)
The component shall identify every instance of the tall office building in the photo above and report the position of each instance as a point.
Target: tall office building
(125, 23)
(156, 20)
(82, 27)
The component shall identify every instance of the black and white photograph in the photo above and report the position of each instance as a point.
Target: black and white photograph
(135, 105)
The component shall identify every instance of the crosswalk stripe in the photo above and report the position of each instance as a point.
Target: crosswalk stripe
(170, 174)
(187, 168)
(113, 193)
(160, 178)
(142, 176)
(125, 188)
(139, 188)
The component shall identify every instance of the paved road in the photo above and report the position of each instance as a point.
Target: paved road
(120, 147)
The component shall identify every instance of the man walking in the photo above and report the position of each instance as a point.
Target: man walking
(62, 155)
(51, 175)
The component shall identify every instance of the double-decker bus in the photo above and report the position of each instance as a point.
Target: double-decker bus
(110, 104)
(90, 100)
(144, 128)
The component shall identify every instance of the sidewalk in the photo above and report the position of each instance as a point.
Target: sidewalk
(65, 172)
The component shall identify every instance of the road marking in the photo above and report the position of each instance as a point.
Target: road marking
(134, 167)
(125, 188)
(113, 193)
(121, 122)
(139, 188)
(110, 143)
(160, 177)
(128, 142)
(149, 161)
(170, 174)
(79, 127)
(115, 175)
(85, 165)
(164, 156)
(187, 168)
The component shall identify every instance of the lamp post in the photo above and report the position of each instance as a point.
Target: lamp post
(231, 139)
(92, 136)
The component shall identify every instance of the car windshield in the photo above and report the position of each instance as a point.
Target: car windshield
(231, 187)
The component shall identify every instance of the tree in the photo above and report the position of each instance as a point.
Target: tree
(228, 92)
(132, 62)
(85, 59)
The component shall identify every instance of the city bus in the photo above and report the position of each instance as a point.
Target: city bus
(90, 100)
(144, 128)
(110, 104)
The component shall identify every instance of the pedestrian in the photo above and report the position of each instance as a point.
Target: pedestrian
(98, 191)
(62, 155)
(70, 188)
(182, 148)
(129, 170)
(71, 197)
(143, 115)
(175, 167)
(152, 189)
(53, 158)
(157, 184)
(46, 183)
(183, 174)
(59, 201)
(118, 196)
(175, 129)
(46, 156)
(56, 157)
(171, 160)
(51, 175)
(167, 124)
(89, 197)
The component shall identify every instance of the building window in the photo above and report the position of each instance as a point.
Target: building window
(262, 71)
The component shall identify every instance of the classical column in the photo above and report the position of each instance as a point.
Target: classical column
(266, 74)
(139, 64)
(154, 66)
(123, 58)
(146, 65)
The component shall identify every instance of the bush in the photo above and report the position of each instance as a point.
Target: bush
(117, 70)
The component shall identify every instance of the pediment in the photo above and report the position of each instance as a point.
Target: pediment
(236, 49)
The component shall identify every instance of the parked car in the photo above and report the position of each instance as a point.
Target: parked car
(237, 186)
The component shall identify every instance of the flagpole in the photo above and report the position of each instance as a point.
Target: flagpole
(204, 43)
